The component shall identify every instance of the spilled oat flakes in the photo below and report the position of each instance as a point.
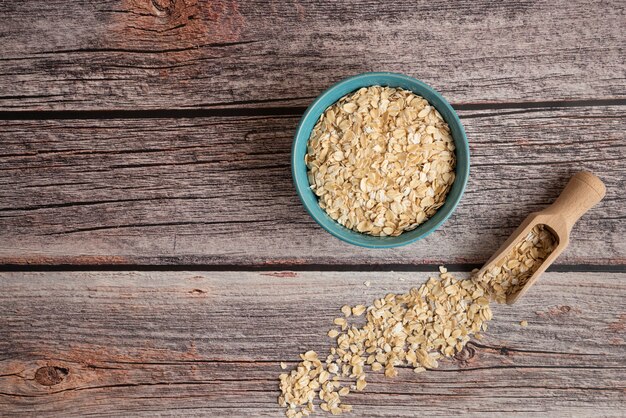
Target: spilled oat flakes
(414, 329)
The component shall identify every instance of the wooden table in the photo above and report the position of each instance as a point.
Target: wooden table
(155, 257)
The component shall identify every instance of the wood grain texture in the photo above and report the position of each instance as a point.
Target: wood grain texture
(198, 344)
(130, 54)
(219, 191)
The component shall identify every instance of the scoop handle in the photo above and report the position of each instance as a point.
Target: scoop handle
(583, 191)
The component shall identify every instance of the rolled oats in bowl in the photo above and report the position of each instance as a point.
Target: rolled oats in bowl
(381, 161)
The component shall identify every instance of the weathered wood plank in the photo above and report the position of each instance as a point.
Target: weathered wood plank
(130, 54)
(219, 191)
(146, 343)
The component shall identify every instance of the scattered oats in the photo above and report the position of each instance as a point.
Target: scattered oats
(390, 371)
(381, 161)
(323, 377)
(360, 384)
(358, 310)
(283, 365)
(415, 329)
(340, 321)
(367, 283)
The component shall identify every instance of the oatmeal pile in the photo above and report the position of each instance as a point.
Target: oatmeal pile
(381, 161)
(414, 329)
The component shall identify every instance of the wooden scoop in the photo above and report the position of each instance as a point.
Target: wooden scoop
(582, 192)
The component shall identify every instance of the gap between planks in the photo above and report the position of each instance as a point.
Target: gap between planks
(286, 269)
(228, 110)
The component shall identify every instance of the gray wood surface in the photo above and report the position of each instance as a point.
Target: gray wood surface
(219, 191)
(184, 54)
(210, 343)
(155, 135)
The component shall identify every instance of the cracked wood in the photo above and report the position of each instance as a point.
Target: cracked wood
(219, 191)
(146, 343)
(129, 54)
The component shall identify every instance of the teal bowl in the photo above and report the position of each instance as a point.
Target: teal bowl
(329, 97)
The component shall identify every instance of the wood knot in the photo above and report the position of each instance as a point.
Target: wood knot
(556, 311)
(51, 375)
(465, 355)
(163, 7)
